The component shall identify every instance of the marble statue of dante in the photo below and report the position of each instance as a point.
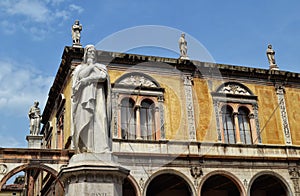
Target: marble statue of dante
(271, 55)
(182, 45)
(91, 105)
(35, 118)
(76, 29)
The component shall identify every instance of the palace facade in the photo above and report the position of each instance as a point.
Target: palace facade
(184, 127)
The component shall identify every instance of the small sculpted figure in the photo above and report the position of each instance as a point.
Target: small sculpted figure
(35, 119)
(183, 46)
(76, 29)
(271, 55)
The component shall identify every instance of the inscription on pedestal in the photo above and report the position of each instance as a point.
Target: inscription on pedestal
(100, 194)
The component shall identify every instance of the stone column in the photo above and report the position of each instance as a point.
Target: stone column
(157, 123)
(138, 123)
(160, 100)
(284, 117)
(237, 127)
(253, 128)
(30, 183)
(190, 108)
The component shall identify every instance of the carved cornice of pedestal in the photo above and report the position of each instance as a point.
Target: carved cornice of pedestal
(92, 173)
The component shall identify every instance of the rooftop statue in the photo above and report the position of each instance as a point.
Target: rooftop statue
(183, 47)
(271, 57)
(35, 119)
(91, 105)
(76, 29)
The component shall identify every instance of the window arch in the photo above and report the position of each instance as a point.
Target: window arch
(138, 108)
(128, 119)
(236, 112)
(244, 125)
(228, 125)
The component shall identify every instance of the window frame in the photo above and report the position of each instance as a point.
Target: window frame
(243, 98)
(149, 90)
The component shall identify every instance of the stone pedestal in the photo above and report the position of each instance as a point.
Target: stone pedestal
(184, 58)
(93, 174)
(34, 141)
(274, 67)
(77, 45)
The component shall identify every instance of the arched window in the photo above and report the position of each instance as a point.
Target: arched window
(138, 108)
(128, 119)
(147, 120)
(236, 110)
(244, 125)
(228, 125)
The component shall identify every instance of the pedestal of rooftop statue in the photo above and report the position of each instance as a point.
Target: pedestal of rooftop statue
(93, 174)
(274, 67)
(34, 141)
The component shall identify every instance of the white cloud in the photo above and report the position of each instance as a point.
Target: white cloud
(19, 87)
(34, 10)
(77, 8)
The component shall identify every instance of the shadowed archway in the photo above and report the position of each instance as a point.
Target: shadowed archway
(268, 185)
(168, 184)
(219, 185)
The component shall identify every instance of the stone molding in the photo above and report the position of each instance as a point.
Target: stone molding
(280, 91)
(188, 81)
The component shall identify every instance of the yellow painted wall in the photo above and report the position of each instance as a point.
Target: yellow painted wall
(204, 112)
(292, 101)
(269, 115)
(67, 117)
(53, 122)
(174, 108)
(114, 75)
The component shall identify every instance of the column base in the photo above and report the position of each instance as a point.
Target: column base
(93, 174)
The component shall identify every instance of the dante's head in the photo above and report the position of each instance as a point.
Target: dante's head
(89, 53)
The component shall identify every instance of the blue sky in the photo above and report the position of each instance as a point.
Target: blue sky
(34, 33)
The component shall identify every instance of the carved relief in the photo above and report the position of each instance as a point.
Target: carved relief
(142, 183)
(196, 172)
(294, 173)
(115, 110)
(138, 80)
(162, 121)
(216, 108)
(190, 107)
(255, 111)
(284, 118)
(234, 89)
(3, 169)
